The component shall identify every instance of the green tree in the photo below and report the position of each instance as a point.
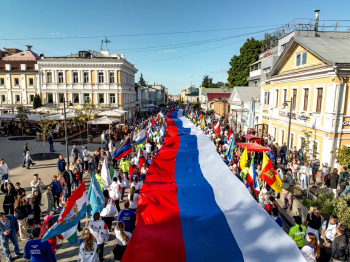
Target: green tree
(166, 97)
(342, 155)
(239, 71)
(37, 101)
(207, 82)
(142, 81)
(22, 114)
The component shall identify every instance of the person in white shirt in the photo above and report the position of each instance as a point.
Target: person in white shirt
(159, 145)
(133, 197)
(121, 183)
(114, 192)
(86, 157)
(98, 229)
(88, 247)
(311, 251)
(148, 149)
(137, 184)
(4, 171)
(123, 238)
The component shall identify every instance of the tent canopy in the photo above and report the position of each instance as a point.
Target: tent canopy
(8, 116)
(104, 121)
(110, 113)
(252, 146)
(61, 117)
(252, 138)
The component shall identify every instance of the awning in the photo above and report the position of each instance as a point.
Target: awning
(110, 113)
(61, 117)
(106, 120)
(252, 138)
(8, 116)
(252, 146)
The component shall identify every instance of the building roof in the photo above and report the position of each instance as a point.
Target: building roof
(88, 54)
(245, 93)
(329, 50)
(22, 56)
(212, 96)
(194, 93)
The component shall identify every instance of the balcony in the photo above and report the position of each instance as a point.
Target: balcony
(255, 73)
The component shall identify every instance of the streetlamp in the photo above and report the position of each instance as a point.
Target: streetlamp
(290, 119)
(65, 125)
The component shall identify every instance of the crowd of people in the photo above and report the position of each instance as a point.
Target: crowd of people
(318, 239)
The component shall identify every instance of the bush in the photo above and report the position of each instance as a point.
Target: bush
(328, 205)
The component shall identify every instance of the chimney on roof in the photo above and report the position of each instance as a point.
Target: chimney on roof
(29, 47)
(105, 52)
(316, 19)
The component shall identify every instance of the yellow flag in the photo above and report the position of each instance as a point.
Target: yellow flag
(269, 175)
(244, 158)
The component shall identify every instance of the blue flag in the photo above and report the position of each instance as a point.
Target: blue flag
(229, 152)
(209, 121)
(95, 197)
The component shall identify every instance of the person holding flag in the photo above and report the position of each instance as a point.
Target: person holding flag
(95, 197)
(252, 178)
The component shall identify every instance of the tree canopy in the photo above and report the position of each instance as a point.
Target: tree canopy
(239, 71)
(37, 101)
(142, 81)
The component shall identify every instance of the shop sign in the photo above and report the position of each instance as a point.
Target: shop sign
(346, 123)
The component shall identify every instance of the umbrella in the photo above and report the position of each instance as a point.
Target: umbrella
(106, 120)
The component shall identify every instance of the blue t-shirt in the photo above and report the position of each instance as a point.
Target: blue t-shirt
(37, 251)
(127, 216)
(148, 161)
(278, 221)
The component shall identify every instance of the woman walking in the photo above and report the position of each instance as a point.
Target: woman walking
(109, 210)
(21, 214)
(133, 197)
(88, 247)
(123, 238)
(98, 229)
(10, 197)
(313, 222)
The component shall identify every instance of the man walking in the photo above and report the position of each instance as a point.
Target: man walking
(68, 176)
(51, 143)
(25, 149)
(4, 171)
(315, 165)
(8, 231)
(75, 153)
(35, 250)
(61, 163)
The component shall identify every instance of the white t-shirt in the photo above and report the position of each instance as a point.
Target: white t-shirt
(159, 146)
(122, 184)
(137, 186)
(114, 191)
(148, 148)
(144, 170)
(308, 253)
(86, 155)
(120, 240)
(331, 231)
(133, 203)
(95, 228)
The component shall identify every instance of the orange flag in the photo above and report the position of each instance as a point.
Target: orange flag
(269, 175)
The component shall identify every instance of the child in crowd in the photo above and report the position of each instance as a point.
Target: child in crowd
(50, 200)
(65, 191)
(62, 181)
(76, 178)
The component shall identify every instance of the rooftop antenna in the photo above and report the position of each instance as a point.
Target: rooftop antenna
(106, 41)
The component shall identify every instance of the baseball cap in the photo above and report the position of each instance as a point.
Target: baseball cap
(47, 218)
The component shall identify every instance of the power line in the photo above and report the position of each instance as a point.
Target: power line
(143, 34)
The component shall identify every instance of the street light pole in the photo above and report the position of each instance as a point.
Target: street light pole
(65, 127)
(290, 122)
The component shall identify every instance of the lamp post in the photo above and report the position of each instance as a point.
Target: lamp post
(65, 125)
(290, 119)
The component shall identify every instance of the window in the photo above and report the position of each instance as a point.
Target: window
(75, 77)
(3, 98)
(17, 98)
(255, 67)
(31, 81)
(302, 142)
(86, 98)
(300, 58)
(60, 98)
(294, 99)
(276, 101)
(282, 137)
(49, 97)
(16, 81)
(49, 77)
(291, 140)
(60, 77)
(306, 99)
(2, 81)
(31, 98)
(100, 77)
(112, 98)
(274, 132)
(76, 98)
(111, 78)
(267, 71)
(86, 77)
(101, 98)
(283, 46)
(319, 100)
(267, 98)
(284, 96)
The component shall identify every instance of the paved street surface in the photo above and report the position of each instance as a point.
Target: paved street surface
(12, 153)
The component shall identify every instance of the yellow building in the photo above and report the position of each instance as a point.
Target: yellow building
(18, 79)
(313, 73)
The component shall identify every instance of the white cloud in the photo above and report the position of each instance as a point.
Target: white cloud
(52, 33)
(57, 33)
(63, 34)
(168, 51)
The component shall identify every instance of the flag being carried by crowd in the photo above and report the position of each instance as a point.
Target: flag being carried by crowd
(253, 178)
(106, 180)
(76, 207)
(269, 175)
(123, 150)
(244, 158)
(232, 146)
(140, 137)
(95, 197)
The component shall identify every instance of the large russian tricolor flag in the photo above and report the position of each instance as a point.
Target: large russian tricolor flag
(192, 208)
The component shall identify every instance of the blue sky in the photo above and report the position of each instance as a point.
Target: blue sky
(174, 60)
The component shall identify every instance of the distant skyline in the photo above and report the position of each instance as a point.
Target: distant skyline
(156, 36)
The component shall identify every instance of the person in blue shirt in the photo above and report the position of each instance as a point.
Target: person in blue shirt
(8, 231)
(149, 160)
(128, 217)
(51, 143)
(276, 217)
(61, 163)
(37, 251)
(56, 191)
(226, 160)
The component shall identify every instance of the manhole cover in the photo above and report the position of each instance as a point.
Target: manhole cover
(22, 138)
(48, 156)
